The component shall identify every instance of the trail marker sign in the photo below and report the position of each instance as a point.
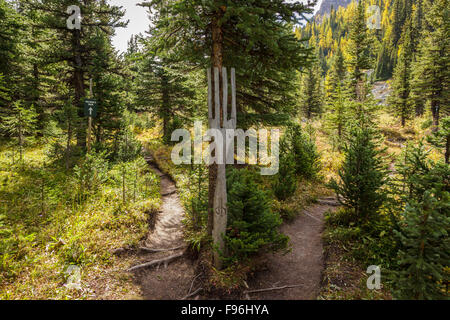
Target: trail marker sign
(90, 108)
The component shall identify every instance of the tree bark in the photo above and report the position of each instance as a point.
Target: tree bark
(419, 110)
(216, 208)
(165, 114)
(78, 82)
(20, 137)
(69, 140)
(447, 150)
(216, 62)
(435, 113)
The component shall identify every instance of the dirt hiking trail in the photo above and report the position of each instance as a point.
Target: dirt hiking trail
(296, 275)
(165, 281)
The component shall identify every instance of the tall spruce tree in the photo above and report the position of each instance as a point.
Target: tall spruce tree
(337, 114)
(362, 175)
(255, 37)
(11, 36)
(311, 93)
(417, 100)
(359, 59)
(20, 124)
(336, 75)
(432, 67)
(423, 228)
(163, 91)
(74, 50)
(441, 138)
(400, 99)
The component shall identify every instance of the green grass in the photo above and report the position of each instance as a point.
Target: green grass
(46, 226)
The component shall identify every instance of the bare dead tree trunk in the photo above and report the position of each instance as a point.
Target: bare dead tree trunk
(216, 62)
(217, 191)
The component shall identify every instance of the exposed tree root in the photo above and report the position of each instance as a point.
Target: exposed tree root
(329, 203)
(154, 263)
(192, 283)
(150, 250)
(192, 294)
(272, 289)
(169, 193)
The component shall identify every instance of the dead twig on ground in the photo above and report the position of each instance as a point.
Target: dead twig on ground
(153, 263)
(160, 250)
(192, 283)
(272, 289)
(192, 294)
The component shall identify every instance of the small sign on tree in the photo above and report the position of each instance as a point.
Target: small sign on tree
(90, 108)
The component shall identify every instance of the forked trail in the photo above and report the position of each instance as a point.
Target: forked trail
(292, 276)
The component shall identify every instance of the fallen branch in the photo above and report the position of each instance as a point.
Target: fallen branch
(153, 263)
(160, 250)
(192, 283)
(272, 289)
(329, 203)
(192, 294)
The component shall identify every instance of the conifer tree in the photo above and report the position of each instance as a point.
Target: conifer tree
(400, 100)
(336, 75)
(285, 183)
(254, 37)
(362, 175)
(77, 47)
(163, 91)
(432, 67)
(20, 124)
(311, 93)
(359, 52)
(384, 66)
(423, 229)
(441, 138)
(417, 100)
(337, 114)
(11, 36)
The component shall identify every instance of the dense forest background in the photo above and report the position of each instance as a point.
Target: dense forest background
(364, 112)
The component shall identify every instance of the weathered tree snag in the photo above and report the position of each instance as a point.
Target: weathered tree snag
(217, 212)
(216, 62)
(220, 119)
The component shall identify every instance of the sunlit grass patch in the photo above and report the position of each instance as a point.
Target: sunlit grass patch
(45, 227)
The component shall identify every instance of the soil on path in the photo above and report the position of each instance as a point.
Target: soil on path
(303, 266)
(171, 282)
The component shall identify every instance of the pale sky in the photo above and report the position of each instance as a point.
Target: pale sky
(139, 22)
